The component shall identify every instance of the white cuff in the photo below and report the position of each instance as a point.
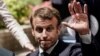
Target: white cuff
(86, 38)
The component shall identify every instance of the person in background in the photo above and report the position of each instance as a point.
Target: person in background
(14, 27)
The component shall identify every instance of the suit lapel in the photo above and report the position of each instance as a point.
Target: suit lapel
(59, 48)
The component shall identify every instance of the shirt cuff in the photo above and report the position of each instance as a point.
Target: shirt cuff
(86, 39)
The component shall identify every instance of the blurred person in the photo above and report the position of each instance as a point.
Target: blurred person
(14, 27)
(46, 26)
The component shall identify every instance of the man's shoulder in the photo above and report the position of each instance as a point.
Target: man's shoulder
(72, 49)
(74, 46)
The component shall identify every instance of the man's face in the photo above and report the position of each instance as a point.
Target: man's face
(45, 32)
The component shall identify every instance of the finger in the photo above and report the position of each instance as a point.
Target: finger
(77, 7)
(74, 0)
(85, 9)
(70, 7)
(71, 1)
(67, 24)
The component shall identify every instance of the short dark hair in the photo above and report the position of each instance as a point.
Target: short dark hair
(46, 13)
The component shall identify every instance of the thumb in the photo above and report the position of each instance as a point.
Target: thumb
(67, 25)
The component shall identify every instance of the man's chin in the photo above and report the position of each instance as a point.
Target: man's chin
(45, 47)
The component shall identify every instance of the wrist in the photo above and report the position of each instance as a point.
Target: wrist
(86, 38)
(84, 32)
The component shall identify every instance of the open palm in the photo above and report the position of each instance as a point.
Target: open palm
(79, 20)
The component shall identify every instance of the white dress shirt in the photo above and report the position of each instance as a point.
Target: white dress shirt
(49, 50)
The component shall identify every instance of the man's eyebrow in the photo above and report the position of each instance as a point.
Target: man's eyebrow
(50, 25)
(44, 26)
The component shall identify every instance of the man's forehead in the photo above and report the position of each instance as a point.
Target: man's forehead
(43, 24)
(38, 20)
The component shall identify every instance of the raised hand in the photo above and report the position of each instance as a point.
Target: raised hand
(79, 18)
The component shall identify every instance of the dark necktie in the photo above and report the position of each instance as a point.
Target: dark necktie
(44, 54)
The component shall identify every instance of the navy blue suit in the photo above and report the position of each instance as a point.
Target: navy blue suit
(66, 49)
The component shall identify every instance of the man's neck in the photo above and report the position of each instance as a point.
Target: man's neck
(50, 49)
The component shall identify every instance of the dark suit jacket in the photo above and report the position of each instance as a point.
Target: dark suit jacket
(94, 8)
(66, 49)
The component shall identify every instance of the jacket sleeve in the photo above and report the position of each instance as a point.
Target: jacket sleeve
(12, 25)
(89, 49)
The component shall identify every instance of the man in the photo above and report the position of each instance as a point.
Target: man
(46, 25)
(14, 27)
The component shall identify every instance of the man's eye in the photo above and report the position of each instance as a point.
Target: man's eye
(39, 29)
(49, 29)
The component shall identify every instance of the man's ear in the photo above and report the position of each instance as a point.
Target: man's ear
(59, 29)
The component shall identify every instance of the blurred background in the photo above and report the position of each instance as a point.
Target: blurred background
(20, 9)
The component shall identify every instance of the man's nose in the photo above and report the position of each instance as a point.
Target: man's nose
(44, 33)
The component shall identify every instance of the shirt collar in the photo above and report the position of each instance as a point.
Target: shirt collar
(49, 50)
